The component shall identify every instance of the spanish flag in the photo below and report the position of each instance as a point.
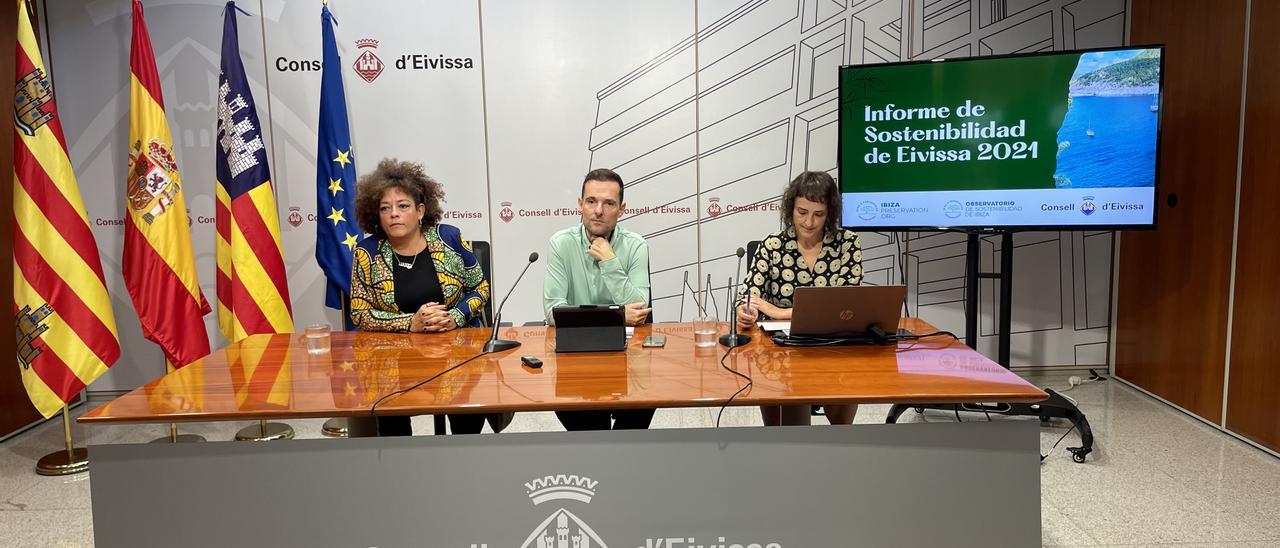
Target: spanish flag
(253, 290)
(66, 334)
(159, 266)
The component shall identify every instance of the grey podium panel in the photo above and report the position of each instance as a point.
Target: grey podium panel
(947, 484)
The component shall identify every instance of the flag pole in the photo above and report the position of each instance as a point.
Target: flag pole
(72, 460)
(337, 426)
(265, 431)
(174, 436)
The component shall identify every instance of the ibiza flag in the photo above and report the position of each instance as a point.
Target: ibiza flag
(66, 332)
(336, 231)
(159, 265)
(253, 292)
(261, 374)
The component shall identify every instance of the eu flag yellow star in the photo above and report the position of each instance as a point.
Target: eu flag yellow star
(336, 216)
(343, 158)
(350, 241)
(335, 185)
(348, 389)
(346, 366)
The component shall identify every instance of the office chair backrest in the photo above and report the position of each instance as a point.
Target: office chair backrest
(649, 267)
(484, 256)
(752, 246)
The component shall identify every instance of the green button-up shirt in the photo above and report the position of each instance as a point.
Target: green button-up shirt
(574, 277)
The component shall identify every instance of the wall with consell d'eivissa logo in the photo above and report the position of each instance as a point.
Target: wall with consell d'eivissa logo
(705, 108)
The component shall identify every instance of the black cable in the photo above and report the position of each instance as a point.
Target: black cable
(1055, 444)
(956, 407)
(750, 382)
(702, 307)
(373, 410)
(793, 340)
(899, 338)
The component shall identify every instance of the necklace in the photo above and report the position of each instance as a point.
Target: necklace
(407, 265)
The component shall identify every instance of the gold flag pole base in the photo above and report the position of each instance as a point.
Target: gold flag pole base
(265, 431)
(335, 428)
(175, 437)
(65, 462)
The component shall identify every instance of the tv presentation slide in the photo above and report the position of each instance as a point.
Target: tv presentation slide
(1040, 140)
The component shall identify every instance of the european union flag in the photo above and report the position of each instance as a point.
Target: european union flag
(336, 230)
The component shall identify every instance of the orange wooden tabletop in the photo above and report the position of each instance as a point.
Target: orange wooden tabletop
(273, 376)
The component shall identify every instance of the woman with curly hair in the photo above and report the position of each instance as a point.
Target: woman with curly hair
(413, 274)
(812, 249)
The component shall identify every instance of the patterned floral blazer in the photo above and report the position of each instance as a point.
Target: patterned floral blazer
(778, 268)
(373, 286)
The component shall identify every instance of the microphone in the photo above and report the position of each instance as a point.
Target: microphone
(734, 338)
(494, 344)
(686, 284)
(710, 296)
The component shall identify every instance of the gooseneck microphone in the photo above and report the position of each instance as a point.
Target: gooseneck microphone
(686, 284)
(495, 344)
(734, 338)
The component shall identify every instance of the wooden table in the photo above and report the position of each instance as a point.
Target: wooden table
(273, 376)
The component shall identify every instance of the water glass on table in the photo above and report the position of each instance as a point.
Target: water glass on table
(705, 329)
(317, 336)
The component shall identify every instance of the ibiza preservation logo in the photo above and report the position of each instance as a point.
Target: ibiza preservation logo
(368, 65)
(562, 529)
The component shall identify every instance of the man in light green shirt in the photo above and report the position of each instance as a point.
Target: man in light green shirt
(597, 261)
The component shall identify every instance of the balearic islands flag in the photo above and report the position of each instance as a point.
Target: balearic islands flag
(66, 334)
(159, 266)
(253, 291)
(336, 234)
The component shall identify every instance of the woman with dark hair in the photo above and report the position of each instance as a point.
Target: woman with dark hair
(811, 250)
(413, 274)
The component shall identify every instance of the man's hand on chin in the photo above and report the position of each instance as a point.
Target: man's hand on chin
(600, 249)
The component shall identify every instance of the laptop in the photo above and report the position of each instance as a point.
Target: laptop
(590, 328)
(846, 312)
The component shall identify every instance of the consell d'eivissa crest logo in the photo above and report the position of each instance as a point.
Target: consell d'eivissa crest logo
(1087, 207)
(562, 529)
(565, 529)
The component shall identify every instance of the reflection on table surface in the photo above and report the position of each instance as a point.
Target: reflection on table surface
(273, 376)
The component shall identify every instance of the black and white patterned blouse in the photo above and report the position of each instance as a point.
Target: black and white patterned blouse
(778, 268)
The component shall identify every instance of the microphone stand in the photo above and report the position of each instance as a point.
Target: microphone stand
(734, 339)
(494, 344)
(686, 282)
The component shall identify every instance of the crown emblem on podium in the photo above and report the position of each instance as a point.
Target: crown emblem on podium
(561, 487)
(366, 43)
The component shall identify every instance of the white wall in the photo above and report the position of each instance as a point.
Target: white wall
(558, 87)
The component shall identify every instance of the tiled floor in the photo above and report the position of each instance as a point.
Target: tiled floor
(1156, 477)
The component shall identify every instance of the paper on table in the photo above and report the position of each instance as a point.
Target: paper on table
(775, 325)
(631, 330)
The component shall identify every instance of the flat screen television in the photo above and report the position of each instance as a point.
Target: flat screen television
(1046, 141)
